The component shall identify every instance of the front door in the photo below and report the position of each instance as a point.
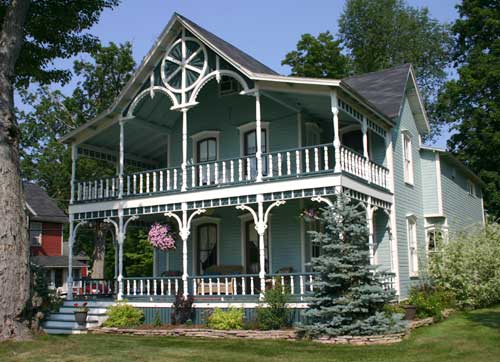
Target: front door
(252, 249)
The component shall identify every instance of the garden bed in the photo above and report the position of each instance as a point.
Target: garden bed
(283, 334)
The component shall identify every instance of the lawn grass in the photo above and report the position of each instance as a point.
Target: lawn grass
(464, 337)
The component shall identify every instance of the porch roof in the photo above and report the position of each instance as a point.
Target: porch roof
(382, 104)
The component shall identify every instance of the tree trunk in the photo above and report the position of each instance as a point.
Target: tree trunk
(99, 251)
(14, 248)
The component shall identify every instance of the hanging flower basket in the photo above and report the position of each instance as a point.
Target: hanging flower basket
(161, 237)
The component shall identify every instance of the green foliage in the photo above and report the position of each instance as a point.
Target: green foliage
(469, 266)
(232, 318)
(123, 315)
(275, 315)
(157, 321)
(138, 253)
(55, 29)
(318, 57)
(430, 301)
(470, 104)
(52, 114)
(394, 309)
(347, 298)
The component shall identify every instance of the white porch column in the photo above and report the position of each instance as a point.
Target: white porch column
(258, 135)
(364, 130)
(261, 227)
(336, 136)
(184, 149)
(369, 221)
(121, 161)
(261, 219)
(74, 157)
(69, 280)
(393, 232)
(185, 236)
(121, 239)
(184, 224)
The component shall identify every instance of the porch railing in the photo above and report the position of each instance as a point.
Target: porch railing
(303, 161)
(159, 286)
(94, 287)
(235, 285)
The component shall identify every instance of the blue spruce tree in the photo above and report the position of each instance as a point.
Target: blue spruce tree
(348, 297)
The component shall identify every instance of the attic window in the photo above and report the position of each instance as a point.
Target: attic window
(229, 86)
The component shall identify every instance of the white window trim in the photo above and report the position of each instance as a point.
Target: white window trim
(249, 126)
(408, 171)
(471, 188)
(39, 231)
(432, 227)
(413, 269)
(196, 223)
(200, 136)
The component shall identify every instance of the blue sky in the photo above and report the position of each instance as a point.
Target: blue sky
(265, 29)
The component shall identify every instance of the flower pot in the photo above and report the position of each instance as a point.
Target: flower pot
(410, 312)
(81, 318)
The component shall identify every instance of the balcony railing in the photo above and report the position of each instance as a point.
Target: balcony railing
(297, 162)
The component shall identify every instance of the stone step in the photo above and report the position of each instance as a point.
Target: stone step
(90, 303)
(71, 317)
(68, 324)
(64, 331)
(92, 310)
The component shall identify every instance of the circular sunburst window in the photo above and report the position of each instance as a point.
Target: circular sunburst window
(185, 59)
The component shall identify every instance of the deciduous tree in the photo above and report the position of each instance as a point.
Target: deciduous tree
(33, 34)
(471, 103)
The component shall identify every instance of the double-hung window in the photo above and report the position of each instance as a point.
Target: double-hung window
(411, 225)
(250, 149)
(36, 233)
(407, 158)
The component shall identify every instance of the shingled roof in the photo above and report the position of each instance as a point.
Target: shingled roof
(56, 262)
(41, 207)
(384, 89)
(239, 56)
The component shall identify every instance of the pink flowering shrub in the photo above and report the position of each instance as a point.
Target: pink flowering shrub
(161, 237)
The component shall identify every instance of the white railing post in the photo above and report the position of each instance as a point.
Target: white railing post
(336, 135)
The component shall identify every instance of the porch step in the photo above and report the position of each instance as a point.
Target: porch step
(63, 321)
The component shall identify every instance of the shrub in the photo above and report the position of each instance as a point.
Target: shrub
(182, 309)
(469, 266)
(394, 309)
(275, 315)
(430, 301)
(123, 315)
(157, 321)
(233, 318)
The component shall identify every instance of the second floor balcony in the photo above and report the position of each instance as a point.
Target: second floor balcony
(300, 162)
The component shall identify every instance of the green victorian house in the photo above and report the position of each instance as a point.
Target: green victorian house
(212, 141)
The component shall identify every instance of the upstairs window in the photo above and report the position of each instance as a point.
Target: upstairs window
(411, 230)
(206, 150)
(407, 158)
(471, 188)
(36, 233)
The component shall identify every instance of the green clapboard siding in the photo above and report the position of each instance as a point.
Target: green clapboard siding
(460, 208)
(408, 197)
(429, 182)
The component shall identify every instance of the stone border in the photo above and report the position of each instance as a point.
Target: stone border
(287, 334)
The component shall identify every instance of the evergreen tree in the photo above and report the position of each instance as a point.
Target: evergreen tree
(348, 298)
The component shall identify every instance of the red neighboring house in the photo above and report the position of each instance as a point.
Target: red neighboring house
(46, 223)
